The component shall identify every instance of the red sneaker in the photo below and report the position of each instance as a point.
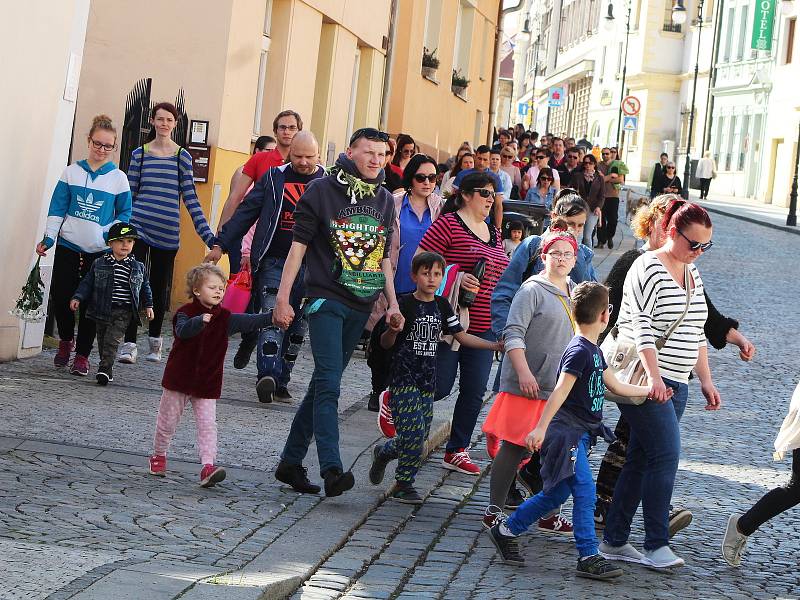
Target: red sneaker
(158, 465)
(492, 515)
(65, 348)
(557, 524)
(80, 365)
(385, 421)
(492, 445)
(211, 476)
(461, 462)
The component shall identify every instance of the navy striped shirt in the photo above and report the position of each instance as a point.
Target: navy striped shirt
(121, 289)
(157, 184)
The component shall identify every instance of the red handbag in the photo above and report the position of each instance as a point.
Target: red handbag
(237, 294)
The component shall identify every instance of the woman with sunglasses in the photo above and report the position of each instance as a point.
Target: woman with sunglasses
(588, 182)
(406, 147)
(416, 207)
(507, 156)
(653, 300)
(719, 331)
(467, 161)
(462, 236)
(90, 196)
(544, 191)
(670, 182)
(542, 156)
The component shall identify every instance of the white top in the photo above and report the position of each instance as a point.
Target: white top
(789, 436)
(705, 168)
(651, 302)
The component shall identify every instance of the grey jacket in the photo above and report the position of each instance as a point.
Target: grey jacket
(539, 324)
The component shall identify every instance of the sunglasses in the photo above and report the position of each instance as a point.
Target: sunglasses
(540, 157)
(545, 178)
(694, 246)
(484, 193)
(420, 178)
(588, 162)
(370, 133)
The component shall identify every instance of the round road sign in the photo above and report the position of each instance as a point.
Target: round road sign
(631, 105)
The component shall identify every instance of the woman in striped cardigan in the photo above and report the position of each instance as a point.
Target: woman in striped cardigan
(160, 174)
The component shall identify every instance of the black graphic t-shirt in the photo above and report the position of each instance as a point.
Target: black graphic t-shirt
(358, 238)
(293, 187)
(414, 360)
(584, 360)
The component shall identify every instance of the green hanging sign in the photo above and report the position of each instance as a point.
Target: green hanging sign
(762, 25)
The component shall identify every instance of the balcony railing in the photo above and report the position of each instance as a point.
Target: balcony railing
(673, 27)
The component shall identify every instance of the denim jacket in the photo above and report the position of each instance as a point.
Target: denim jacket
(521, 267)
(98, 284)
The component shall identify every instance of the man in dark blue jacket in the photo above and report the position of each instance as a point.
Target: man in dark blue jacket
(272, 203)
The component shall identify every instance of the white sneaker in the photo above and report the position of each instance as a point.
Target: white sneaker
(625, 553)
(128, 353)
(155, 349)
(662, 558)
(733, 543)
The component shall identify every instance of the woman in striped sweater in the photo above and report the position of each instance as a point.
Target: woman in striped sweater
(653, 300)
(160, 174)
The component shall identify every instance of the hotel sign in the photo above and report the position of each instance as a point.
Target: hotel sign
(762, 25)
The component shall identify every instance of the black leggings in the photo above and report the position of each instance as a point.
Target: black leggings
(158, 265)
(610, 212)
(613, 461)
(69, 267)
(773, 502)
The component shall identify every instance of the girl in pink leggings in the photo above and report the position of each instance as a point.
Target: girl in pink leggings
(194, 368)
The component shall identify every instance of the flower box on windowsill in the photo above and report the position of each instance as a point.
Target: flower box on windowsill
(430, 73)
(459, 91)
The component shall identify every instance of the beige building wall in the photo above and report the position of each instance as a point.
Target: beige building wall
(38, 106)
(463, 34)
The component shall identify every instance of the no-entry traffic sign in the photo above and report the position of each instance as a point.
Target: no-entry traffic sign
(631, 105)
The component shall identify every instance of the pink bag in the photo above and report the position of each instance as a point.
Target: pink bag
(237, 294)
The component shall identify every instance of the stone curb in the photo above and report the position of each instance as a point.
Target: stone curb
(715, 209)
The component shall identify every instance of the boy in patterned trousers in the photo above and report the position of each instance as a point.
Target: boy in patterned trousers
(413, 373)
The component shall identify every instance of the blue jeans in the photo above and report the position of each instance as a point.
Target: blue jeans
(475, 366)
(278, 350)
(581, 487)
(334, 332)
(650, 467)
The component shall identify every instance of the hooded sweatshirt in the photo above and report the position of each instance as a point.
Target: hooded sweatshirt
(347, 236)
(539, 323)
(85, 204)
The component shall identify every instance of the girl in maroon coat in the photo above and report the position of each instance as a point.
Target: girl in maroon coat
(194, 368)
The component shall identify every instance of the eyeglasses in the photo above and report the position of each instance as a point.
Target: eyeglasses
(484, 193)
(605, 154)
(561, 255)
(287, 127)
(694, 246)
(102, 146)
(371, 134)
(420, 178)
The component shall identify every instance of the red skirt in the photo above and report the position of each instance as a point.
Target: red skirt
(513, 417)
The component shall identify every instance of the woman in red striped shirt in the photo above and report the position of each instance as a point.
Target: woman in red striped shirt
(463, 237)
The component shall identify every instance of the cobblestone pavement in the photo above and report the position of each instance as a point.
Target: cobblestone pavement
(439, 550)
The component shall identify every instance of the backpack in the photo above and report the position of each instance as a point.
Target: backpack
(533, 256)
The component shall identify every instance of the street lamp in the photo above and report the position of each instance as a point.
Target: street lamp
(787, 8)
(609, 24)
(791, 218)
(679, 17)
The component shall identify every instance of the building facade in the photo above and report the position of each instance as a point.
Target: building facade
(31, 166)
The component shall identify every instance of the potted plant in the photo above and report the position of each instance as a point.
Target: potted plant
(429, 63)
(459, 83)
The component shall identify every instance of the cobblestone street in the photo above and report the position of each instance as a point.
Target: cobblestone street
(80, 517)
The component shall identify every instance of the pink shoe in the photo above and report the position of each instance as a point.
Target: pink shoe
(158, 465)
(80, 365)
(65, 348)
(385, 421)
(211, 476)
(461, 462)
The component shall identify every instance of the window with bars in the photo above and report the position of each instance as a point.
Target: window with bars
(668, 24)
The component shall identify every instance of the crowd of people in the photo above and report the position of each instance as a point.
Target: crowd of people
(390, 244)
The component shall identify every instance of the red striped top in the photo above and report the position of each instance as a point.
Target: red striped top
(449, 236)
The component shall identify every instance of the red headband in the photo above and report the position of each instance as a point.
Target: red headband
(561, 237)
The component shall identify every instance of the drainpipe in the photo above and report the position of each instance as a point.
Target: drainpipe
(388, 66)
(498, 43)
(712, 79)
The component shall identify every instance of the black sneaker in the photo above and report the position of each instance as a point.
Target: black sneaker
(679, 518)
(531, 481)
(514, 498)
(297, 477)
(406, 493)
(378, 468)
(611, 247)
(104, 378)
(507, 546)
(373, 405)
(282, 394)
(336, 482)
(597, 567)
(265, 388)
(242, 357)
(600, 512)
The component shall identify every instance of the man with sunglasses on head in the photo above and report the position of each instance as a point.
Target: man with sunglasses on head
(343, 229)
(482, 161)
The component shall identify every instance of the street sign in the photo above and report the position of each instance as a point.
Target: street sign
(522, 108)
(631, 105)
(630, 123)
(555, 96)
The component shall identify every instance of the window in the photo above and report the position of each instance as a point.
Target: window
(726, 56)
(790, 25)
(745, 143)
(603, 64)
(478, 133)
(668, 24)
(262, 68)
(619, 58)
(464, 26)
(433, 24)
(742, 32)
(485, 52)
